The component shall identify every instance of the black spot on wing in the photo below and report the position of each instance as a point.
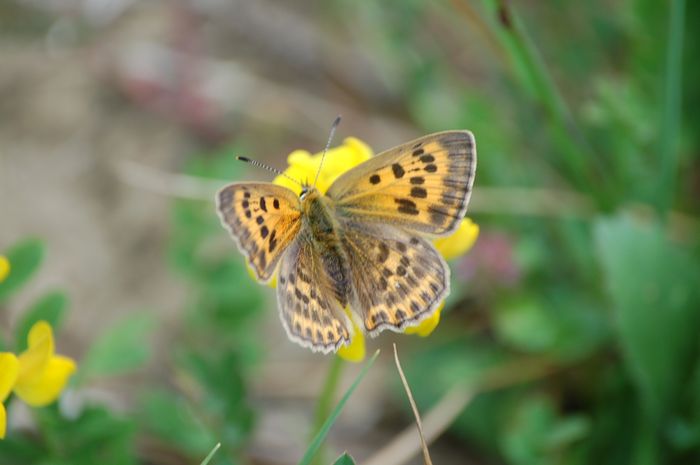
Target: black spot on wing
(273, 241)
(383, 252)
(407, 207)
(438, 216)
(418, 193)
(398, 170)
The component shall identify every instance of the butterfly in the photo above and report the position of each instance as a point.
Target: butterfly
(364, 244)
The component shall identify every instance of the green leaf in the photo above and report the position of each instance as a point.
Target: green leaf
(211, 454)
(654, 288)
(172, 420)
(535, 433)
(323, 432)
(564, 324)
(670, 113)
(95, 435)
(50, 308)
(120, 349)
(25, 258)
(344, 459)
(524, 324)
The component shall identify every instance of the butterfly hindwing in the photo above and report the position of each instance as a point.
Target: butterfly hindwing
(422, 186)
(263, 218)
(398, 278)
(310, 313)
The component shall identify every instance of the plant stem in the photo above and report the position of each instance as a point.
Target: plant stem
(326, 401)
(578, 160)
(671, 107)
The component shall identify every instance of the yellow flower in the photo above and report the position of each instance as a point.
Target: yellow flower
(4, 268)
(427, 326)
(303, 166)
(355, 351)
(9, 370)
(42, 374)
(37, 376)
(459, 242)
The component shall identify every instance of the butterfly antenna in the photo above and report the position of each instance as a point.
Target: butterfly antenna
(335, 124)
(268, 167)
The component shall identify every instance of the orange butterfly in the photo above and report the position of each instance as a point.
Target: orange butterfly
(362, 244)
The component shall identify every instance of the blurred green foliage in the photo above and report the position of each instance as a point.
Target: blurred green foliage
(215, 354)
(607, 302)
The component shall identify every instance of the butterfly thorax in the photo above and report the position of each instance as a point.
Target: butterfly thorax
(320, 228)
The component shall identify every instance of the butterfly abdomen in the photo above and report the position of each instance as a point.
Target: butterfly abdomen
(323, 228)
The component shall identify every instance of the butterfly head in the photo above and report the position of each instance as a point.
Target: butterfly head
(308, 193)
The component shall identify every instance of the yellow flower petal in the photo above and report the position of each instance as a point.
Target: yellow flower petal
(42, 388)
(9, 371)
(4, 268)
(3, 421)
(39, 351)
(355, 351)
(459, 242)
(427, 326)
(42, 375)
(303, 166)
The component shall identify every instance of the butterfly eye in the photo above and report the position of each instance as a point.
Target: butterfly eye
(304, 191)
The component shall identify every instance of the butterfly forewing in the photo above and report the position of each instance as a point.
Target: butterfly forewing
(263, 218)
(308, 308)
(423, 185)
(398, 278)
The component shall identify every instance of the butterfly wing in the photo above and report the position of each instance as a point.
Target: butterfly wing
(398, 278)
(423, 185)
(263, 218)
(310, 313)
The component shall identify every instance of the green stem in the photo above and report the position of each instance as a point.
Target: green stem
(646, 448)
(671, 106)
(578, 160)
(326, 401)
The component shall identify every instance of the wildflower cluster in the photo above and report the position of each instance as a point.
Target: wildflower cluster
(36, 376)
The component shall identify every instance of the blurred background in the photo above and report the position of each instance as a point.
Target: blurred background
(571, 335)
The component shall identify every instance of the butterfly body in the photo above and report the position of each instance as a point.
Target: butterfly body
(363, 244)
(320, 230)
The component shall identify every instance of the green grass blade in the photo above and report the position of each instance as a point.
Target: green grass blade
(211, 454)
(323, 432)
(344, 459)
(532, 72)
(671, 106)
